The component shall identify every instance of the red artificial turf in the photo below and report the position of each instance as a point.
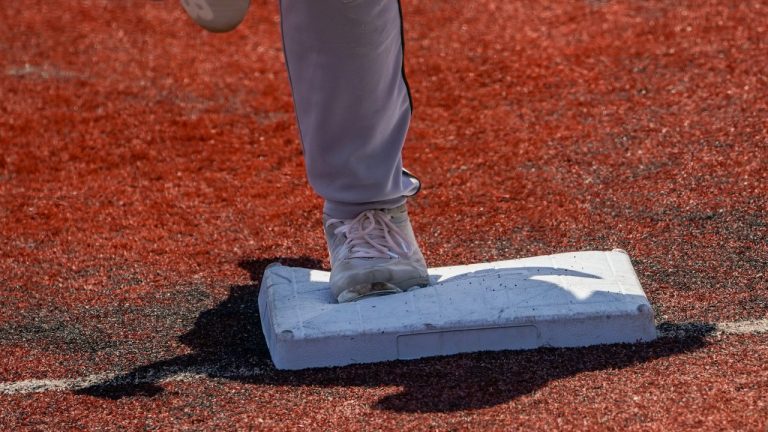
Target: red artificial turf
(149, 171)
(720, 386)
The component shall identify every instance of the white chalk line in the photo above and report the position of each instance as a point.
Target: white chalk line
(115, 379)
(227, 370)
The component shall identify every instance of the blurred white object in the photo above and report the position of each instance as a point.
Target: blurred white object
(217, 15)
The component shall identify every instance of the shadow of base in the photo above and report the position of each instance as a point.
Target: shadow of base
(489, 379)
(228, 343)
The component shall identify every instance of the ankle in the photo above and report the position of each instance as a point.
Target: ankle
(341, 210)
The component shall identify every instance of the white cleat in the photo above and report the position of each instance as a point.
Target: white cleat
(217, 16)
(374, 254)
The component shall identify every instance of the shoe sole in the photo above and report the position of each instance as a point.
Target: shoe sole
(377, 289)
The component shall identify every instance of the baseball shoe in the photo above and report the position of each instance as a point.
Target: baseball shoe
(374, 254)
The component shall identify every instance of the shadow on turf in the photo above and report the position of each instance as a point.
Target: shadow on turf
(228, 343)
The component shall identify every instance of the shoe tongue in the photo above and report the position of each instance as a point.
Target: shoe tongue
(373, 226)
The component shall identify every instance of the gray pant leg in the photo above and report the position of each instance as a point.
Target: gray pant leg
(345, 63)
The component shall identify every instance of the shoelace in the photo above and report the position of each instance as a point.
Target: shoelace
(372, 235)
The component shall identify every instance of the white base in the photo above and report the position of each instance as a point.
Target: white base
(564, 300)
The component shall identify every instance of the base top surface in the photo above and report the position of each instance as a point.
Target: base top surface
(503, 293)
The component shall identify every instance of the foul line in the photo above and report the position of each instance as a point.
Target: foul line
(227, 370)
(151, 376)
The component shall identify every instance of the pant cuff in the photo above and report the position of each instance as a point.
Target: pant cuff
(339, 210)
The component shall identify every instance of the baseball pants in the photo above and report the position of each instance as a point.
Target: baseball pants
(352, 103)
